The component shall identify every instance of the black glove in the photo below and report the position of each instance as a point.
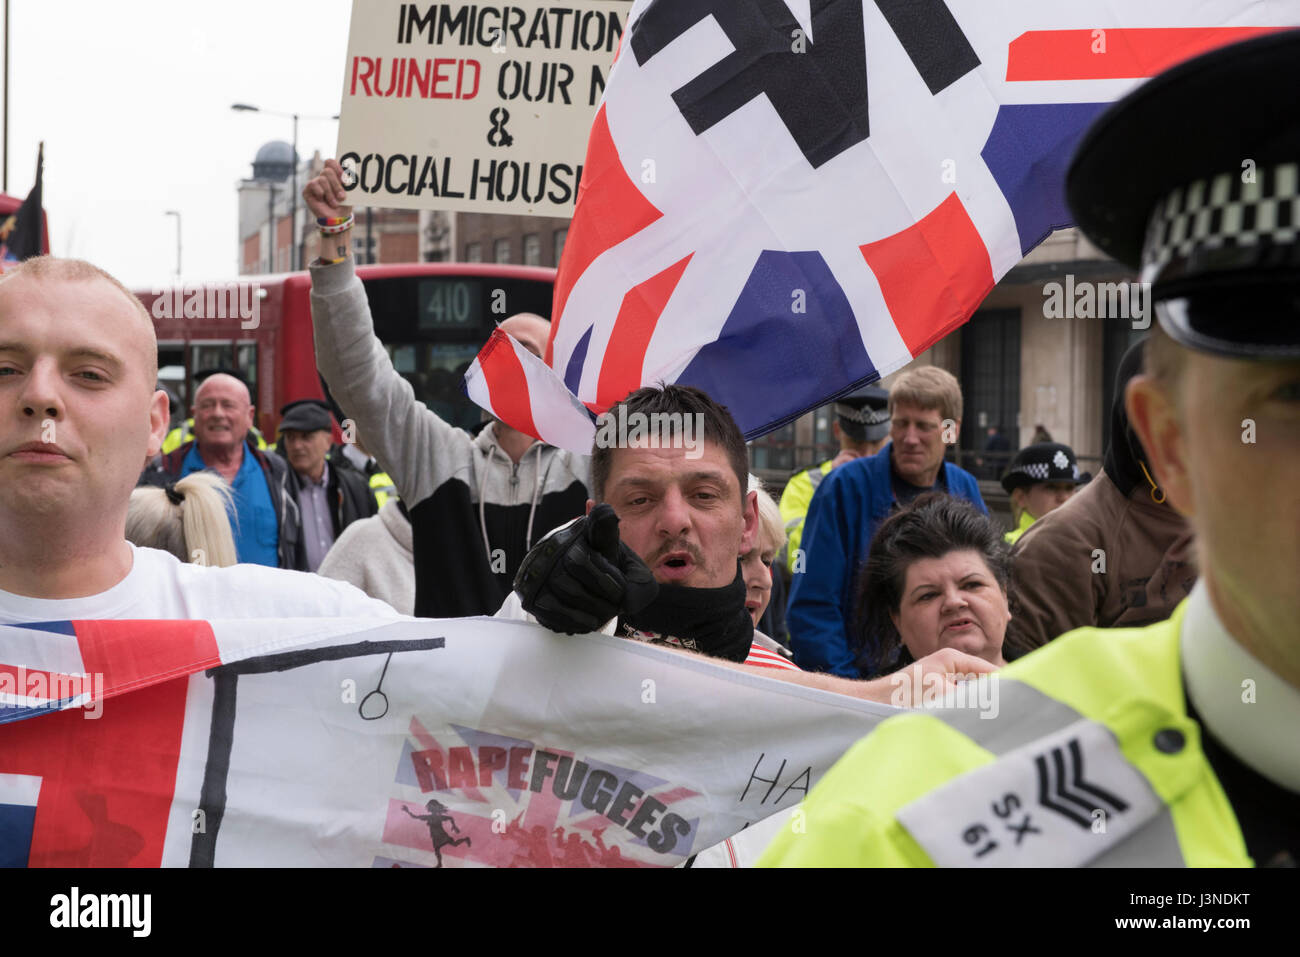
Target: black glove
(581, 575)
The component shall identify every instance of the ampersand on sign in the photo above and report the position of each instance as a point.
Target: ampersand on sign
(497, 136)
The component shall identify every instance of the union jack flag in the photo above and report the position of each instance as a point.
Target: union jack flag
(783, 200)
(486, 782)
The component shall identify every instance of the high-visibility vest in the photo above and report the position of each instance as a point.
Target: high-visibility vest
(1025, 521)
(383, 488)
(794, 505)
(1091, 759)
(185, 432)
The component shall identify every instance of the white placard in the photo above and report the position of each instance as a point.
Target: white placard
(472, 107)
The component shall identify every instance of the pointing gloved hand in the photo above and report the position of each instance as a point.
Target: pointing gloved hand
(581, 575)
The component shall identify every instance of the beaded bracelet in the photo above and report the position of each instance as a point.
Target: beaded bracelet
(320, 261)
(330, 226)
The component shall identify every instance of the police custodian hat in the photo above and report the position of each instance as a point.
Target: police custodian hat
(1042, 462)
(305, 415)
(1194, 180)
(864, 413)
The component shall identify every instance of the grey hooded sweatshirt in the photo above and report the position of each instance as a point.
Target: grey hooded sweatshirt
(474, 513)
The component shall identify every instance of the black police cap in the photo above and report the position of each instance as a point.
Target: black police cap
(1042, 462)
(864, 412)
(1194, 179)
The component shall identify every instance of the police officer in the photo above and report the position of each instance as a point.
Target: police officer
(1173, 744)
(861, 427)
(1041, 477)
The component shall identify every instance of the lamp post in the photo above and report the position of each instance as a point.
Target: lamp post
(172, 212)
(5, 186)
(294, 257)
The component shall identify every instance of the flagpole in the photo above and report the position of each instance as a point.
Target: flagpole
(5, 185)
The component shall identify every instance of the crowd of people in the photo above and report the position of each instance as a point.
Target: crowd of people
(893, 563)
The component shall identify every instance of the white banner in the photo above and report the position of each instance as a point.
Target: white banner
(425, 743)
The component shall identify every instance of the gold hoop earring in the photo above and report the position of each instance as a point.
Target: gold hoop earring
(1154, 487)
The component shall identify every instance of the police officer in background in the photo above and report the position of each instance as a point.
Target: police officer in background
(1173, 744)
(1041, 478)
(861, 427)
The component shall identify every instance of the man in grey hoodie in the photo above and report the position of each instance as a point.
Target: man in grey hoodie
(476, 503)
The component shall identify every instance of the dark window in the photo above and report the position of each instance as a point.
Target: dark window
(434, 326)
(774, 451)
(363, 247)
(990, 386)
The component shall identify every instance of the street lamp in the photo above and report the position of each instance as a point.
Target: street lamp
(294, 258)
(172, 212)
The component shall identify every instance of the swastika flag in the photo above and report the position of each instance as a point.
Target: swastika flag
(785, 199)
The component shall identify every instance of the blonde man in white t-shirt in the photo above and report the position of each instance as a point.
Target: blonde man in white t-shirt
(79, 418)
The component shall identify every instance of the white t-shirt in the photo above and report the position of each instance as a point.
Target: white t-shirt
(159, 585)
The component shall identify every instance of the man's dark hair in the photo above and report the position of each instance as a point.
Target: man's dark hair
(931, 527)
(719, 428)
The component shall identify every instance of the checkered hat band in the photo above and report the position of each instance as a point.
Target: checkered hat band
(1035, 470)
(1042, 471)
(1247, 207)
(863, 416)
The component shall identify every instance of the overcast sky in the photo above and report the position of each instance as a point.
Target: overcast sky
(132, 99)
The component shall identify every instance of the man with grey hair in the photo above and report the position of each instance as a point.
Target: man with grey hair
(267, 520)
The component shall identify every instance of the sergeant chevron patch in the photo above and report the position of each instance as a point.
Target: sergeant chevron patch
(1059, 801)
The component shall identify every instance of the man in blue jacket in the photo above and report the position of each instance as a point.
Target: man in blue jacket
(851, 502)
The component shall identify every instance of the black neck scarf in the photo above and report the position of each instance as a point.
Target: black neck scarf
(713, 621)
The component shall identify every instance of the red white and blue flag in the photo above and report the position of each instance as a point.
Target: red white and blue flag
(347, 742)
(785, 199)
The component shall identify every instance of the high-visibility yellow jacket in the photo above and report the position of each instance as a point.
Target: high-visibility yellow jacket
(184, 432)
(795, 501)
(1025, 521)
(1091, 759)
(383, 488)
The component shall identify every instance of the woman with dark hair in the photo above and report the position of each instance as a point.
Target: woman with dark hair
(937, 576)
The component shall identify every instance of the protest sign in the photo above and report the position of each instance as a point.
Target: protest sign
(472, 107)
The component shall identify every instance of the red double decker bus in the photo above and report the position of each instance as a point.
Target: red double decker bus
(431, 317)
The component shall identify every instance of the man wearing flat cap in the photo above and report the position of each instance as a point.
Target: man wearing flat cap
(1040, 479)
(1173, 744)
(861, 427)
(331, 493)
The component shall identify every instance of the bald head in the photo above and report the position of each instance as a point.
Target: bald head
(223, 414)
(123, 315)
(224, 384)
(81, 365)
(530, 330)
